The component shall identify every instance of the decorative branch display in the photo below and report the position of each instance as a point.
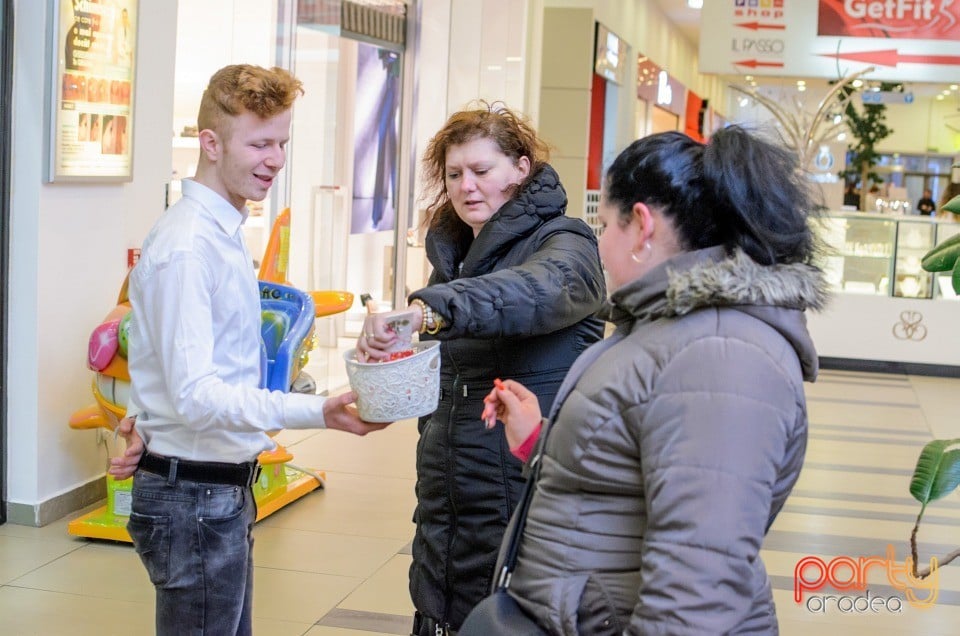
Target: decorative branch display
(803, 131)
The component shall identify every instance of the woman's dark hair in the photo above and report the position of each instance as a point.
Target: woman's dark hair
(737, 191)
(514, 136)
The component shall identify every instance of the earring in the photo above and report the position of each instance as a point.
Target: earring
(640, 258)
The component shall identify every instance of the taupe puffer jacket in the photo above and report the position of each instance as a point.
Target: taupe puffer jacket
(672, 454)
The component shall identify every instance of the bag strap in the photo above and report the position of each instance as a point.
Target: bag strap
(519, 520)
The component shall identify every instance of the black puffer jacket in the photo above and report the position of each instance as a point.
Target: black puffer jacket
(519, 301)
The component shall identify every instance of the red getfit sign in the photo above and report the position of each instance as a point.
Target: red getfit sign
(899, 19)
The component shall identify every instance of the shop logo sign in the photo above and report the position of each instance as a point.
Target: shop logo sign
(758, 8)
(919, 19)
(846, 574)
(910, 327)
(664, 90)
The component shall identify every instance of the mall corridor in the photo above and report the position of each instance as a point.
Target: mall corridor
(335, 563)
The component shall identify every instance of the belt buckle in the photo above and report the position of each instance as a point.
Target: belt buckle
(255, 471)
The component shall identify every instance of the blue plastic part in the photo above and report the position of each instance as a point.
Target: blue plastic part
(287, 318)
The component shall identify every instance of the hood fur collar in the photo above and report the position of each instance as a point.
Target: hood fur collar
(739, 280)
(713, 278)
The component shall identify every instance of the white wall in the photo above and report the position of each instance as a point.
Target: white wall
(487, 53)
(68, 256)
(922, 127)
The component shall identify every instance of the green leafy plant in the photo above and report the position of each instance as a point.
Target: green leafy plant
(937, 474)
(868, 127)
(946, 256)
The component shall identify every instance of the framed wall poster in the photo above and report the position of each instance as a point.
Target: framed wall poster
(91, 122)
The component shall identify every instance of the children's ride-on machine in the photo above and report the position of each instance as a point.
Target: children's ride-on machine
(287, 330)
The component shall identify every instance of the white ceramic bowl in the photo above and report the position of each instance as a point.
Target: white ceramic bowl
(399, 389)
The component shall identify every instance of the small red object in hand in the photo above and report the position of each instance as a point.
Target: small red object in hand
(499, 384)
(398, 355)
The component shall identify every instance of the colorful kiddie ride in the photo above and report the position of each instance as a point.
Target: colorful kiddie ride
(287, 329)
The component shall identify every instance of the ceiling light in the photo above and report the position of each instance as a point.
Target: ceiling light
(695, 4)
(857, 83)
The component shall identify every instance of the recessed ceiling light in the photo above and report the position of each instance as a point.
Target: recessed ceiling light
(695, 4)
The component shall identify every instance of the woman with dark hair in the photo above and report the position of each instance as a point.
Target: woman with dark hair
(513, 292)
(673, 444)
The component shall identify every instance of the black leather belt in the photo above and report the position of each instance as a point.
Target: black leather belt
(174, 468)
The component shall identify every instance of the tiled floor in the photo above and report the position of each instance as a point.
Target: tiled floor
(335, 562)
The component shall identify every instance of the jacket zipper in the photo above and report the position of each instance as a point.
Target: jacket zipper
(441, 625)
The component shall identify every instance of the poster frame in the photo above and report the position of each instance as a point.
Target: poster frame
(58, 150)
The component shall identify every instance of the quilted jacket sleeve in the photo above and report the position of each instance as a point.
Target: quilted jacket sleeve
(560, 284)
(712, 439)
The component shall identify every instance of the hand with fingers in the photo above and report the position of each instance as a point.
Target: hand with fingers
(514, 405)
(340, 415)
(123, 466)
(387, 332)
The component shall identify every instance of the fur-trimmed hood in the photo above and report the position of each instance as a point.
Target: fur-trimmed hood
(739, 280)
(777, 294)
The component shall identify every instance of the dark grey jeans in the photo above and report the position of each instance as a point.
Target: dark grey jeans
(196, 542)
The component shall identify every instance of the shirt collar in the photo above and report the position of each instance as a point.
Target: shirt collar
(227, 217)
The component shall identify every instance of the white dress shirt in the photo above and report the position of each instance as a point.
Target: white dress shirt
(194, 349)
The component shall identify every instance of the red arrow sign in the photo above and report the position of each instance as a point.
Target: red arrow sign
(753, 26)
(756, 63)
(891, 57)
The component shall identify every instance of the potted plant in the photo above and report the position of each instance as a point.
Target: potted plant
(938, 468)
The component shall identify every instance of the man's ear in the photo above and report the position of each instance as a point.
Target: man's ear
(210, 144)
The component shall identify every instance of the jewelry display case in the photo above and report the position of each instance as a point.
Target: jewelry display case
(886, 312)
(880, 254)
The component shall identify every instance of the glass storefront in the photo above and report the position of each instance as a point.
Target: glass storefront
(6, 70)
(342, 182)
